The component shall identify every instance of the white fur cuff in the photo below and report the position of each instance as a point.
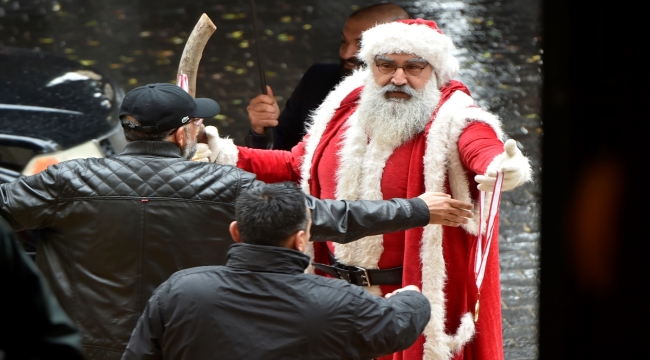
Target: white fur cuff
(515, 166)
(224, 151)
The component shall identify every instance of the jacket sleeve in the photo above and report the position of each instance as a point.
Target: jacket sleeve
(385, 326)
(344, 221)
(478, 145)
(270, 166)
(146, 338)
(30, 202)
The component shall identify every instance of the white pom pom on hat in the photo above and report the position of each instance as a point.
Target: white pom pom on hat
(412, 36)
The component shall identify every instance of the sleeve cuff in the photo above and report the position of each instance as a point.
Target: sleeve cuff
(257, 141)
(421, 214)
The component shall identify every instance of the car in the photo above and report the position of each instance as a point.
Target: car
(53, 109)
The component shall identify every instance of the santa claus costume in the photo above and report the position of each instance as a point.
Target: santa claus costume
(339, 160)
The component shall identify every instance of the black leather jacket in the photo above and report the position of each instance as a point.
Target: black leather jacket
(114, 229)
(208, 313)
(32, 323)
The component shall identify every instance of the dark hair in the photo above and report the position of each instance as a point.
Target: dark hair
(129, 124)
(382, 13)
(269, 214)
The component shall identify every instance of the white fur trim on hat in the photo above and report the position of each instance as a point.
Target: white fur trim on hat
(416, 39)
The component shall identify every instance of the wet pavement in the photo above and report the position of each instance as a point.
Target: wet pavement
(140, 42)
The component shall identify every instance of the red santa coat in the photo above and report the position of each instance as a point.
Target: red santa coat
(458, 143)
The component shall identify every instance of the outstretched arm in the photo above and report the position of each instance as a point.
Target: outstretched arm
(387, 325)
(483, 153)
(270, 166)
(512, 163)
(30, 202)
(344, 221)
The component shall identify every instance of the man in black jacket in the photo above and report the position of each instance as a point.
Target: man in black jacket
(116, 228)
(289, 126)
(32, 323)
(262, 305)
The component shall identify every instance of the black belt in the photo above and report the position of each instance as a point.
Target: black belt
(359, 276)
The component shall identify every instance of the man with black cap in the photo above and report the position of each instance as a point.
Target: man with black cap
(116, 228)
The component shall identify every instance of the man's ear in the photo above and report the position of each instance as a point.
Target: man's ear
(297, 241)
(180, 137)
(234, 232)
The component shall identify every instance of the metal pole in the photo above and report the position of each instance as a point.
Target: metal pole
(267, 130)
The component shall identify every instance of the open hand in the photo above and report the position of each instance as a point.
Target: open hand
(263, 111)
(514, 165)
(443, 210)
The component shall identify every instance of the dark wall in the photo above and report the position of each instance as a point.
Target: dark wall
(594, 199)
(141, 41)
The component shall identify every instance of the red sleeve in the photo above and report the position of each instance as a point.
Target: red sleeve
(478, 145)
(271, 166)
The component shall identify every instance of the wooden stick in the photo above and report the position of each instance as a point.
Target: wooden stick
(193, 51)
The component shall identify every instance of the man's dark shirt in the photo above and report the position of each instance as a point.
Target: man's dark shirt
(314, 86)
(262, 305)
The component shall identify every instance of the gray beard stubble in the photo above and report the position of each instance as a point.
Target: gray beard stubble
(190, 147)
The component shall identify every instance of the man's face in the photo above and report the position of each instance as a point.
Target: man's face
(399, 70)
(350, 38)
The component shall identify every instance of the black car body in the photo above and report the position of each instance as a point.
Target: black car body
(53, 109)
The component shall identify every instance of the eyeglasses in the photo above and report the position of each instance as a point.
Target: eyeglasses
(409, 69)
(196, 121)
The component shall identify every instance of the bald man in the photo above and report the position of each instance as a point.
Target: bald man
(316, 83)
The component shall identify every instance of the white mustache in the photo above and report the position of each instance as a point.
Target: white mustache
(408, 90)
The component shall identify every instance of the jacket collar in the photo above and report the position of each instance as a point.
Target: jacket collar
(261, 258)
(156, 148)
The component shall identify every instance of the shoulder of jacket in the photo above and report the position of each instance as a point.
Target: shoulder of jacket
(74, 164)
(323, 72)
(191, 273)
(325, 67)
(234, 171)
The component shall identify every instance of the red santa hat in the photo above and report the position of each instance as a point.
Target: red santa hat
(412, 36)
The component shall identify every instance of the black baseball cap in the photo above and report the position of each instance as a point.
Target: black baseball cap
(160, 107)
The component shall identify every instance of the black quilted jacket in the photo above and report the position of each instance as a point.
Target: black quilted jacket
(114, 229)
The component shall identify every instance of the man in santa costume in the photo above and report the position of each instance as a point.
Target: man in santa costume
(397, 128)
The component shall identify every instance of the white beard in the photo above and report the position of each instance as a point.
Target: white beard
(394, 121)
(376, 129)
